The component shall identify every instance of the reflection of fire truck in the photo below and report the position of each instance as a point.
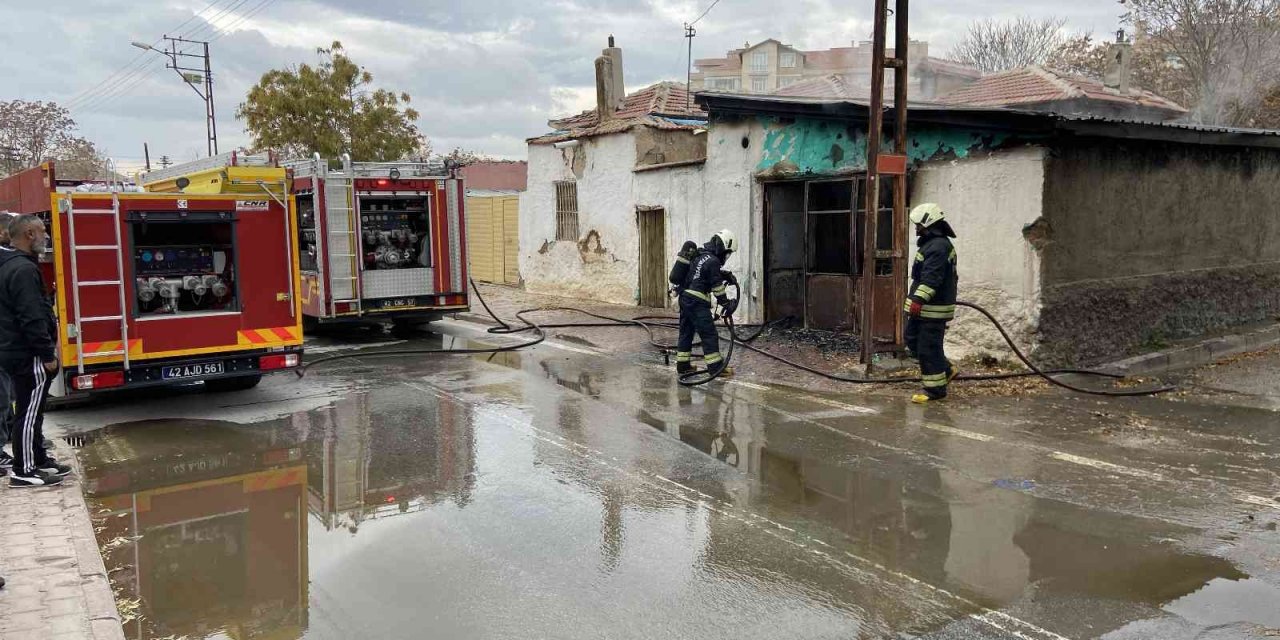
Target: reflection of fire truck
(211, 541)
(362, 467)
(160, 288)
(380, 240)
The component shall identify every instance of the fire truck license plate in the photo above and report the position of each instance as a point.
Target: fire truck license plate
(192, 371)
(393, 303)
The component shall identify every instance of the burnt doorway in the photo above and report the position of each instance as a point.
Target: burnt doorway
(784, 251)
(813, 255)
(653, 257)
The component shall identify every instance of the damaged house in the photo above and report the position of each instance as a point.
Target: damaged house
(613, 192)
(1090, 236)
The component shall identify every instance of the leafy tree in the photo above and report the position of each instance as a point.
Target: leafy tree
(330, 108)
(992, 45)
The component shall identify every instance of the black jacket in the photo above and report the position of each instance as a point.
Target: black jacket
(706, 280)
(933, 276)
(27, 325)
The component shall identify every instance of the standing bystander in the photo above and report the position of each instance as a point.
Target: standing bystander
(27, 352)
(6, 388)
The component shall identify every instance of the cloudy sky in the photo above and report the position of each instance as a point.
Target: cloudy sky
(485, 74)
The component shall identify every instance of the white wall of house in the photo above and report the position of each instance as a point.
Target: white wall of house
(698, 199)
(989, 198)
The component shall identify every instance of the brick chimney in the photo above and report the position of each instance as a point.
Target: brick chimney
(610, 90)
(1118, 62)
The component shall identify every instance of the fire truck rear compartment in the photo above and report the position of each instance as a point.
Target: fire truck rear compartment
(395, 241)
(183, 263)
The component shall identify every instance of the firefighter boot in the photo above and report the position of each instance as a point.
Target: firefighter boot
(684, 367)
(926, 398)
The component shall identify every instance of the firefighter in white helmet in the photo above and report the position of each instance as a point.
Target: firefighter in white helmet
(706, 281)
(931, 300)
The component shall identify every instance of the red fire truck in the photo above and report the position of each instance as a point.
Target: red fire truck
(380, 241)
(154, 289)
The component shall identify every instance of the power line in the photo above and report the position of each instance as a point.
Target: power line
(704, 13)
(126, 69)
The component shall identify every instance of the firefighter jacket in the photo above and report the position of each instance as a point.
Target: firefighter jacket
(933, 277)
(27, 326)
(705, 279)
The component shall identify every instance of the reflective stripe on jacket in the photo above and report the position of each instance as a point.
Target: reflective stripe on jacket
(934, 277)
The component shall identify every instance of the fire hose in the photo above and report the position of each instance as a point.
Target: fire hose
(695, 378)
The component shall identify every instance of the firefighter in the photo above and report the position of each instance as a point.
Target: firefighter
(707, 279)
(931, 300)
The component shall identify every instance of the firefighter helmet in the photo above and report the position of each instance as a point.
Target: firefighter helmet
(927, 214)
(726, 240)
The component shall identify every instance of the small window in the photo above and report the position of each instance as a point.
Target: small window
(787, 59)
(759, 85)
(567, 210)
(760, 61)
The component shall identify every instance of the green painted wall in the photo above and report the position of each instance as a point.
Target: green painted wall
(808, 146)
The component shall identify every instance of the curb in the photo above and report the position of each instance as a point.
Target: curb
(1201, 353)
(104, 617)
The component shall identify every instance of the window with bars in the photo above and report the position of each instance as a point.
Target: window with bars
(567, 210)
(759, 84)
(787, 59)
(760, 61)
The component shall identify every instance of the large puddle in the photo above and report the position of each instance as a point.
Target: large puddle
(490, 503)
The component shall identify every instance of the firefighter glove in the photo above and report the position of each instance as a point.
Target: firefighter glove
(729, 306)
(729, 278)
(914, 308)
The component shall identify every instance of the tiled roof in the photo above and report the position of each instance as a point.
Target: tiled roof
(1033, 85)
(951, 67)
(664, 98)
(829, 86)
(644, 107)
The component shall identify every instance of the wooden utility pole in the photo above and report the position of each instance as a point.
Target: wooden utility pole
(879, 164)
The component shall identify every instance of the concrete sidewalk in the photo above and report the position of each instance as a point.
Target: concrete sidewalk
(57, 584)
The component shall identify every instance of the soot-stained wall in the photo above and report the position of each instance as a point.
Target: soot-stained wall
(1149, 242)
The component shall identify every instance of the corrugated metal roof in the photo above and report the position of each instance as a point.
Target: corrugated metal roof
(1012, 119)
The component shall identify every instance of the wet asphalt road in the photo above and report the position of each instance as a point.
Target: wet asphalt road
(563, 493)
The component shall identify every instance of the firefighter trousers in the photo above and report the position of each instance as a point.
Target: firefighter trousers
(695, 318)
(30, 388)
(925, 339)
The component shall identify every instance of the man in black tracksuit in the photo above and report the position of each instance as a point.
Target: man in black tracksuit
(706, 280)
(28, 335)
(931, 300)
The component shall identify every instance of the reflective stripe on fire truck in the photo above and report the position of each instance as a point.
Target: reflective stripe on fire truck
(265, 337)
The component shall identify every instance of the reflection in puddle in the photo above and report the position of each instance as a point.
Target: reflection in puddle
(523, 501)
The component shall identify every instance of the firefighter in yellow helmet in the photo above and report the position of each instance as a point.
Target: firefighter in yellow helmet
(931, 300)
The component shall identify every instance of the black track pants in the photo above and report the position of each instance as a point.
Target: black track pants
(30, 388)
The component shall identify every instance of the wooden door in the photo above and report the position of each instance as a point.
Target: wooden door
(653, 259)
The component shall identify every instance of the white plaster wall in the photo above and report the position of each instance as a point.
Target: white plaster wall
(606, 271)
(989, 198)
(699, 200)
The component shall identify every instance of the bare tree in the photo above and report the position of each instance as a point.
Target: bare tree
(34, 130)
(1222, 56)
(992, 45)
